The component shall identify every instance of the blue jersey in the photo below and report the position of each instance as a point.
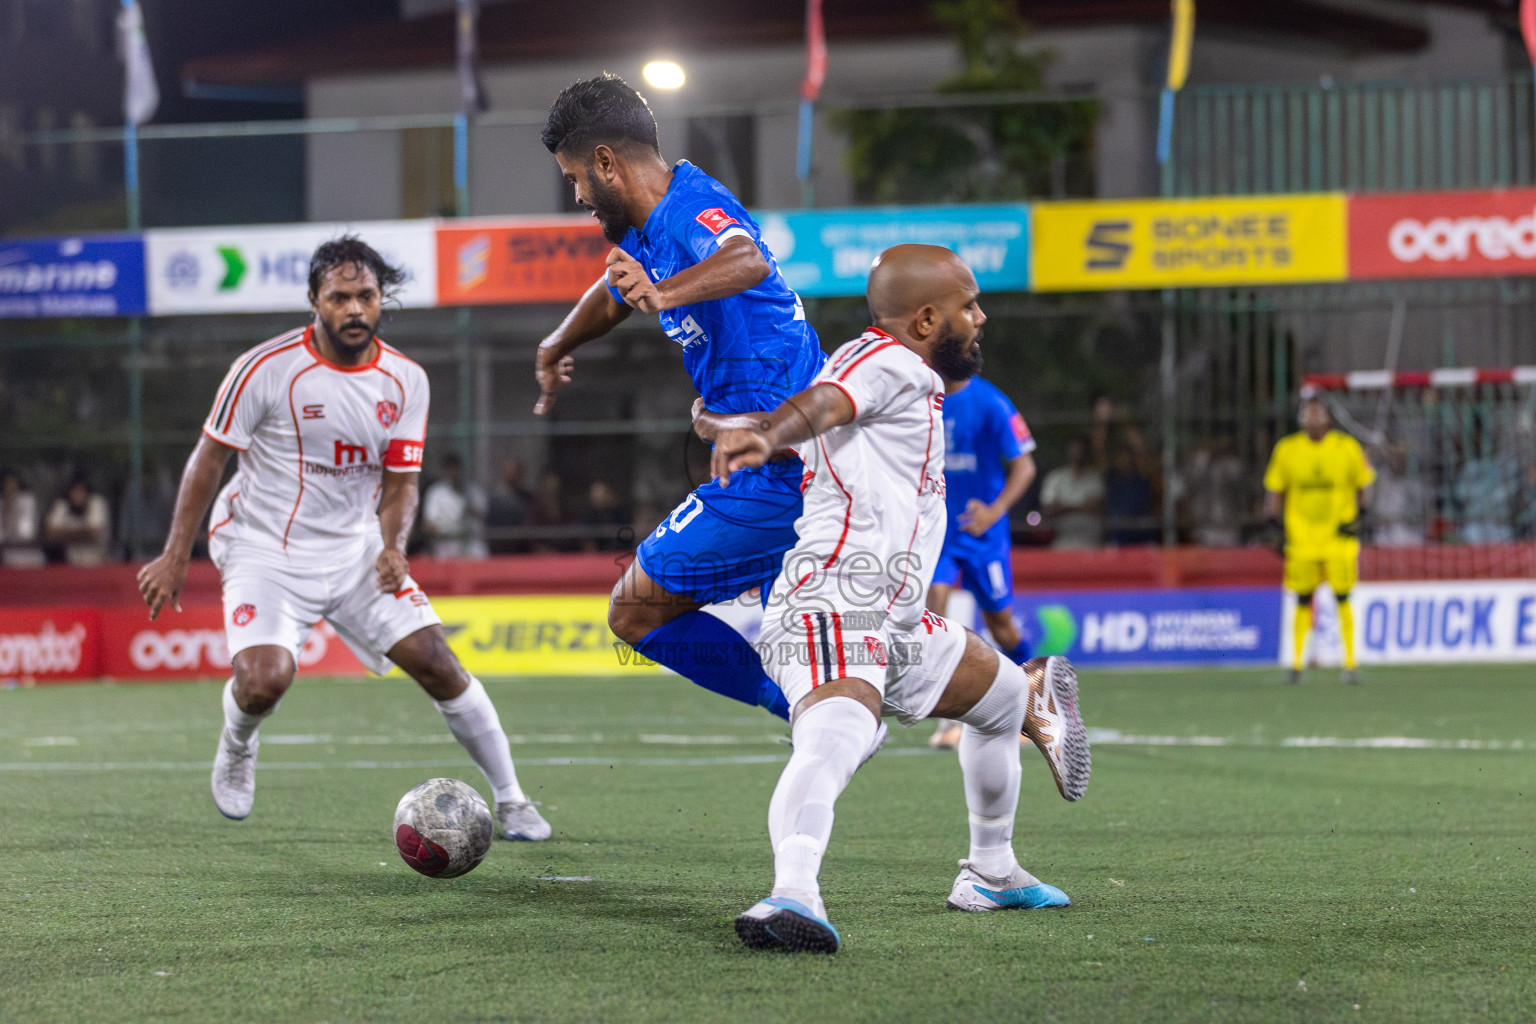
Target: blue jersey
(983, 432)
(746, 352)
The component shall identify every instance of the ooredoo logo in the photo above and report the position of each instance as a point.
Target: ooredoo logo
(1443, 239)
(243, 615)
(1449, 234)
(181, 649)
(44, 652)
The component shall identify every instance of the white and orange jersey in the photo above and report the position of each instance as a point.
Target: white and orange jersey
(874, 517)
(315, 440)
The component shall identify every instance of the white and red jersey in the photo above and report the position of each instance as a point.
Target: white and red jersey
(315, 440)
(874, 517)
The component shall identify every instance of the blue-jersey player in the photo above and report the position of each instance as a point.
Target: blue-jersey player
(687, 251)
(988, 465)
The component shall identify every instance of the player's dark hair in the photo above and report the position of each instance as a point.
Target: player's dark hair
(601, 111)
(351, 249)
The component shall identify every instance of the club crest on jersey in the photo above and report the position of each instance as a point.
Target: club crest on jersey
(717, 220)
(389, 412)
(243, 615)
(876, 650)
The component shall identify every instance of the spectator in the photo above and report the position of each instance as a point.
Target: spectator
(548, 507)
(508, 509)
(80, 521)
(1215, 494)
(605, 510)
(18, 524)
(452, 514)
(1130, 494)
(1398, 504)
(1485, 491)
(1526, 519)
(1073, 497)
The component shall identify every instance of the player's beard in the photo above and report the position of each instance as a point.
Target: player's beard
(341, 344)
(611, 215)
(957, 357)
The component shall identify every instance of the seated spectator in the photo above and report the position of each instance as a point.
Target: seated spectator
(604, 509)
(1485, 490)
(508, 508)
(18, 524)
(548, 509)
(1130, 494)
(1525, 516)
(80, 522)
(1397, 503)
(1214, 485)
(1072, 496)
(451, 514)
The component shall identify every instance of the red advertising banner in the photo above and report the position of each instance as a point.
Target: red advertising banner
(1442, 234)
(191, 645)
(500, 262)
(45, 645)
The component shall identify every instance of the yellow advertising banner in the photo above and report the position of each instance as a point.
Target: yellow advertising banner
(563, 635)
(1189, 243)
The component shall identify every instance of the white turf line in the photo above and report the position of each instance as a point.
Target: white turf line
(1099, 737)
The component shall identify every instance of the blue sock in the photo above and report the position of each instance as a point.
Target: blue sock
(1020, 654)
(702, 648)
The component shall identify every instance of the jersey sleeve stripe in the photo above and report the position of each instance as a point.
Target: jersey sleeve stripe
(226, 442)
(244, 366)
(234, 401)
(874, 351)
(300, 439)
(854, 351)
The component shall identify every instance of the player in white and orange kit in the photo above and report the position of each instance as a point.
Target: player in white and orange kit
(845, 634)
(330, 424)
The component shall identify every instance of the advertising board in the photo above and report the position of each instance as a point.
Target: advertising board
(190, 645)
(265, 268)
(75, 276)
(44, 645)
(1442, 234)
(515, 261)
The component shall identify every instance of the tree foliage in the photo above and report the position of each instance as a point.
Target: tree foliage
(986, 152)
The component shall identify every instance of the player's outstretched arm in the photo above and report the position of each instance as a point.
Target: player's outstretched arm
(161, 580)
(733, 268)
(594, 315)
(397, 511)
(709, 425)
(809, 414)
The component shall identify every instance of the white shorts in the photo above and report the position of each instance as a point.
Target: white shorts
(265, 603)
(806, 647)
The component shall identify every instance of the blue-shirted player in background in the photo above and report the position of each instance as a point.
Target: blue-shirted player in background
(689, 252)
(988, 465)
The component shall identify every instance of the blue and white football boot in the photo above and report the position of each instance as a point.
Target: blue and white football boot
(1019, 890)
(780, 922)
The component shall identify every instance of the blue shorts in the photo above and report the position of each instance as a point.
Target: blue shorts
(723, 541)
(988, 575)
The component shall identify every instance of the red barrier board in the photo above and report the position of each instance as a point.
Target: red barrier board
(190, 645)
(1442, 234)
(49, 644)
(553, 261)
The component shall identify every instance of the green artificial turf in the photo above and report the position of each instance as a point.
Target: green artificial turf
(1236, 878)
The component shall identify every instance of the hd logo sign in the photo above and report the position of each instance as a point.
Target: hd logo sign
(1188, 243)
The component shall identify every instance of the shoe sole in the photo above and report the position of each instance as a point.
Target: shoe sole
(1074, 762)
(785, 929)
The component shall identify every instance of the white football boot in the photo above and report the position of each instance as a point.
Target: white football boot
(520, 820)
(1052, 722)
(234, 777)
(1019, 890)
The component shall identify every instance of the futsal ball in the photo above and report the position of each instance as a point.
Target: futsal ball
(443, 828)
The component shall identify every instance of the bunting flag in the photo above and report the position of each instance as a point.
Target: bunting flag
(472, 99)
(810, 86)
(1178, 70)
(140, 93)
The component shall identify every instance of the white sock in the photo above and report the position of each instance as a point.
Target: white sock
(831, 737)
(472, 719)
(241, 725)
(989, 762)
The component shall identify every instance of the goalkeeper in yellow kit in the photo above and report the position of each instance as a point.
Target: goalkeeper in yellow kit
(1319, 475)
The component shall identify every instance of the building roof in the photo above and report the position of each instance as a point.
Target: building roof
(524, 30)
